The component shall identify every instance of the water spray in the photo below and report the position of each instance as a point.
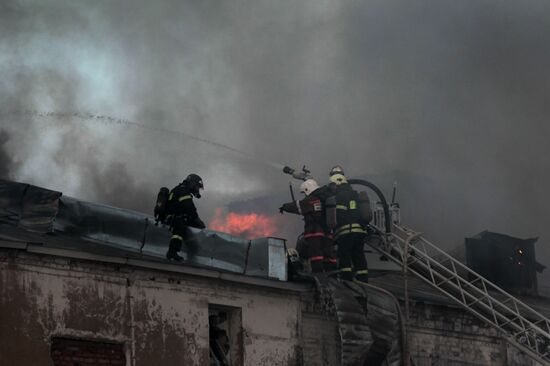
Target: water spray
(120, 121)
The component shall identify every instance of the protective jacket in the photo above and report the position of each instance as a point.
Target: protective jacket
(311, 208)
(348, 216)
(318, 242)
(350, 234)
(181, 208)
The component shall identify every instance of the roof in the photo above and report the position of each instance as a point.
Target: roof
(37, 215)
(62, 226)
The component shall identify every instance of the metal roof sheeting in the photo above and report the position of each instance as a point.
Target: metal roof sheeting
(90, 226)
(35, 208)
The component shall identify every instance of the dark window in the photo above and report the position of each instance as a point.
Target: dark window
(75, 352)
(225, 334)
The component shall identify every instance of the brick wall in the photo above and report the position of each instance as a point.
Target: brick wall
(71, 352)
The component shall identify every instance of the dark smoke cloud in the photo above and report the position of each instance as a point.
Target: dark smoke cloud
(116, 186)
(448, 98)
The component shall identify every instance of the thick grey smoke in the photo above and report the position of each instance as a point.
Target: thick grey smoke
(448, 98)
(7, 165)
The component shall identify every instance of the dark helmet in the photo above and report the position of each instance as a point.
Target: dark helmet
(194, 182)
(337, 175)
(337, 169)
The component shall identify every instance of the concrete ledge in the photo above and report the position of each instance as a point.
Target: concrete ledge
(38, 249)
(158, 266)
(11, 244)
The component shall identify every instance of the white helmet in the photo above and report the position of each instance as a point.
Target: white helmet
(308, 186)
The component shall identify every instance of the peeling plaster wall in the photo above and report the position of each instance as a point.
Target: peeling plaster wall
(160, 318)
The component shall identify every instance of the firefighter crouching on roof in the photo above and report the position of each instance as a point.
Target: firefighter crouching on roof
(182, 213)
(317, 240)
(350, 212)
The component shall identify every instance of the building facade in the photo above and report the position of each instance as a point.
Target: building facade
(63, 307)
(83, 284)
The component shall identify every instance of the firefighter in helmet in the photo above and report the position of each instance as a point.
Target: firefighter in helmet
(316, 237)
(350, 228)
(182, 213)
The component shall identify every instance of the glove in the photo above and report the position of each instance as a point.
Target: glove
(198, 223)
(282, 209)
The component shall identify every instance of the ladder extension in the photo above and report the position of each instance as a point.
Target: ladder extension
(521, 325)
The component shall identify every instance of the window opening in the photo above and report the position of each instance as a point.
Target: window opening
(225, 335)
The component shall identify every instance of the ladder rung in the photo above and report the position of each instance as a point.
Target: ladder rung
(412, 260)
(441, 263)
(474, 281)
(509, 321)
(524, 330)
(471, 284)
(477, 300)
(447, 280)
(545, 321)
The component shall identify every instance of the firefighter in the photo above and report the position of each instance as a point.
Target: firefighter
(182, 213)
(318, 244)
(350, 232)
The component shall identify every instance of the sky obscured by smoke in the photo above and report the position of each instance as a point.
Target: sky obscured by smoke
(448, 98)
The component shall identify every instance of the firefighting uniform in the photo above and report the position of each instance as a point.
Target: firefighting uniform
(318, 242)
(350, 234)
(182, 213)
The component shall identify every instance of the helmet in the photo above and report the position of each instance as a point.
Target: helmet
(338, 179)
(194, 182)
(308, 186)
(337, 169)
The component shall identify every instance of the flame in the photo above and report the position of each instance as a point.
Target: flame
(249, 226)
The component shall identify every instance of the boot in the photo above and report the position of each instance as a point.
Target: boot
(346, 274)
(173, 249)
(330, 266)
(316, 266)
(363, 276)
(174, 256)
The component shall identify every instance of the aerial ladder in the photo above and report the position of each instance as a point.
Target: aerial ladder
(520, 324)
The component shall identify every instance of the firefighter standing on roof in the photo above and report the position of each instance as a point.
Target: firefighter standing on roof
(349, 228)
(182, 213)
(318, 243)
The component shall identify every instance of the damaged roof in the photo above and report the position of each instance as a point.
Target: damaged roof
(43, 221)
(38, 215)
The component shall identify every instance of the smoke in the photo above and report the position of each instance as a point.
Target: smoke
(7, 165)
(448, 98)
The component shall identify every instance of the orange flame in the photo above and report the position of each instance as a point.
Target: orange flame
(249, 226)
